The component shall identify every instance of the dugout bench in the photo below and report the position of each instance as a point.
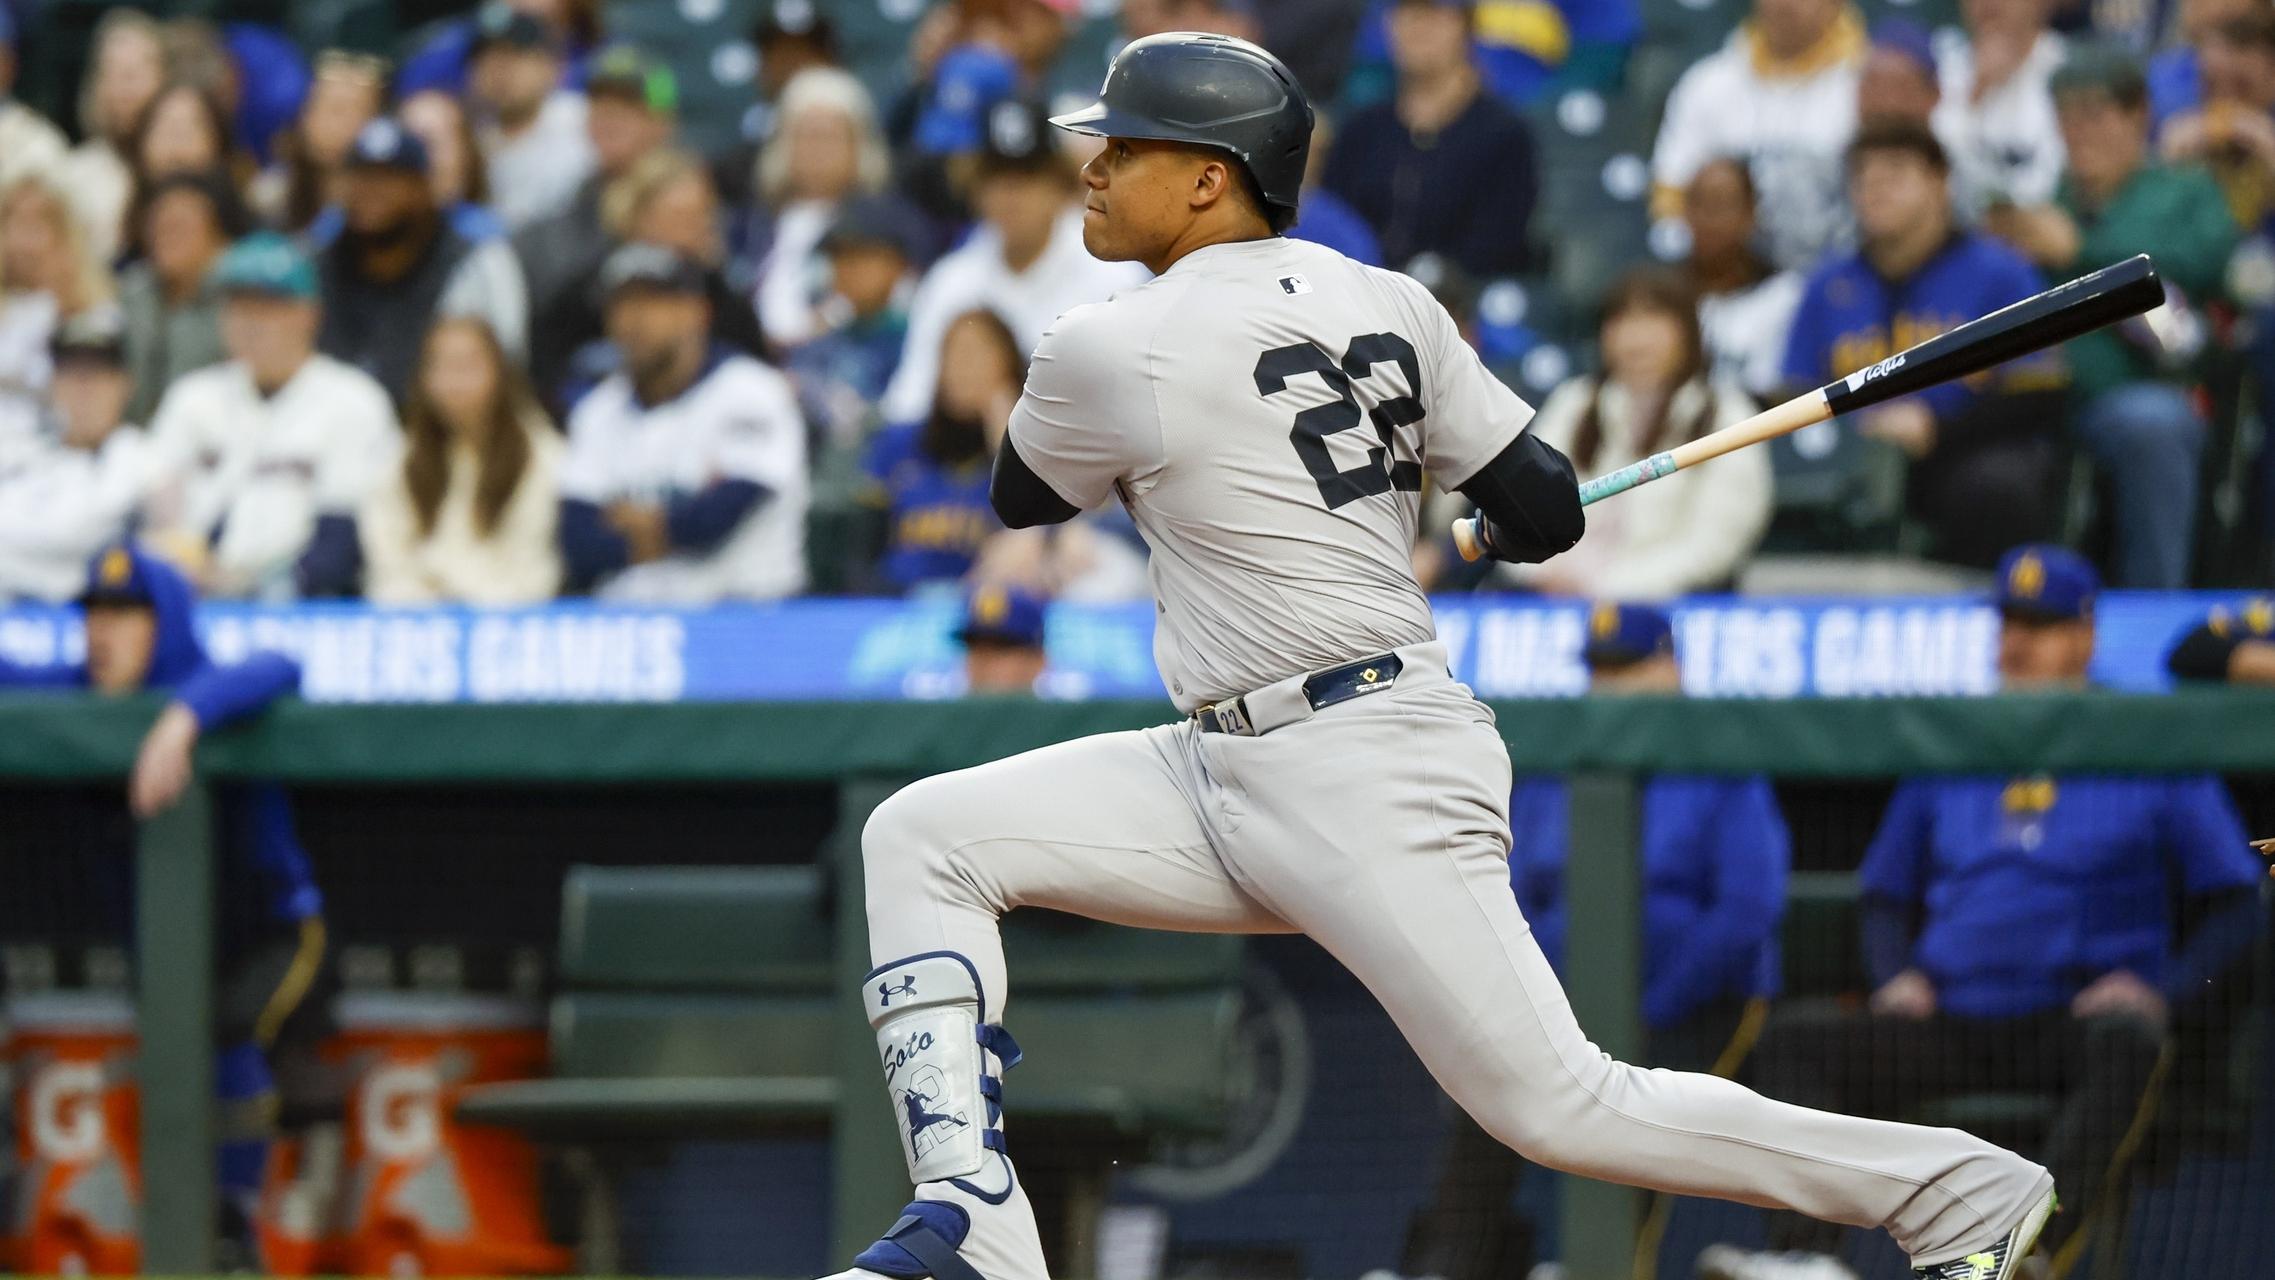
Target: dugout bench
(706, 1002)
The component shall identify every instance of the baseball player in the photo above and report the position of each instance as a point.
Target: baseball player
(1266, 410)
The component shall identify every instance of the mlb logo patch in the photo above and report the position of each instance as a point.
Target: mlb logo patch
(1294, 285)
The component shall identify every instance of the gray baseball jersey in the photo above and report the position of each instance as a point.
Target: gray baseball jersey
(1266, 410)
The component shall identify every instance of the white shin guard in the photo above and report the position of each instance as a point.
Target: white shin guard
(934, 1049)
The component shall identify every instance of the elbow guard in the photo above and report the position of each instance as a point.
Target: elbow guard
(1530, 500)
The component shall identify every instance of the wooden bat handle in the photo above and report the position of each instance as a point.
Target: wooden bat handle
(1800, 411)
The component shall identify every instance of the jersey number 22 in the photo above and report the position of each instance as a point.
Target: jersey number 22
(1381, 472)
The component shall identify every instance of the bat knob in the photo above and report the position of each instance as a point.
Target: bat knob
(1467, 540)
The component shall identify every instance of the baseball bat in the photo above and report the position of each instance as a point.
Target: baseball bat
(2033, 324)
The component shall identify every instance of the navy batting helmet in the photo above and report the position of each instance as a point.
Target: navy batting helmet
(1214, 91)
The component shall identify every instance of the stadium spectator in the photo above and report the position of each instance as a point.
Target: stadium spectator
(928, 480)
(398, 263)
(47, 275)
(873, 252)
(1443, 166)
(1782, 95)
(1524, 49)
(75, 490)
(1981, 452)
(185, 129)
(1691, 531)
(531, 126)
(127, 68)
(471, 515)
(265, 459)
(685, 481)
(630, 112)
(1996, 117)
(2234, 131)
(1025, 261)
(2175, 72)
(346, 92)
(1745, 304)
(1323, 217)
(456, 166)
(969, 56)
(444, 61)
(1900, 80)
(138, 614)
(826, 149)
(28, 141)
(2234, 643)
(2035, 914)
(2134, 410)
(172, 307)
(1002, 638)
(792, 36)
(667, 199)
(1715, 856)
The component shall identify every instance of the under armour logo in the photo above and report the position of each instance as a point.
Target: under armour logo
(1294, 285)
(886, 991)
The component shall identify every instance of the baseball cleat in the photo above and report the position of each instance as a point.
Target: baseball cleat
(2002, 1261)
(1725, 1262)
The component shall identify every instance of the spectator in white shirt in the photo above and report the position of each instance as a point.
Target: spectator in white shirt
(470, 515)
(826, 149)
(267, 458)
(686, 477)
(1782, 94)
(532, 128)
(1025, 261)
(1996, 117)
(72, 491)
(47, 275)
(1745, 305)
(1691, 531)
(127, 70)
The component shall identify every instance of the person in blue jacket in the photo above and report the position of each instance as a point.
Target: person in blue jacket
(1716, 854)
(139, 614)
(2023, 933)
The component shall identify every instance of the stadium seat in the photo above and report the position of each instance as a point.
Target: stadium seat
(708, 48)
(1835, 492)
(1595, 188)
(701, 1002)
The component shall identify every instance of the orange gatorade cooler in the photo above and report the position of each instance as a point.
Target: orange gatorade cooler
(78, 1159)
(425, 1195)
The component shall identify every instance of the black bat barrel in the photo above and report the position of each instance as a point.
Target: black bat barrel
(2033, 324)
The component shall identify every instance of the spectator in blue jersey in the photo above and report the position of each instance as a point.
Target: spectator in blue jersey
(2041, 933)
(874, 251)
(1442, 166)
(1525, 48)
(1715, 857)
(928, 480)
(141, 638)
(1981, 452)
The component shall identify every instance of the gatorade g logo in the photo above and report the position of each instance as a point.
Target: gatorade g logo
(67, 1112)
(401, 1118)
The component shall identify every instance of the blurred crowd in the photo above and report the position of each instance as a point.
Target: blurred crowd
(523, 301)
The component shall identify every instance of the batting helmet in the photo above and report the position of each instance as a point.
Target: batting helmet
(1214, 91)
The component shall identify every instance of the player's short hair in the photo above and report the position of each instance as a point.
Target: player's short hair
(1908, 137)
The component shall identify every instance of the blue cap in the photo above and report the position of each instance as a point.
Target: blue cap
(1900, 35)
(265, 262)
(1619, 634)
(385, 144)
(969, 80)
(115, 578)
(1004, 615)
(2047, 583)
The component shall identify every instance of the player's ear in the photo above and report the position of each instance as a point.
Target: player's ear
(1211, 184)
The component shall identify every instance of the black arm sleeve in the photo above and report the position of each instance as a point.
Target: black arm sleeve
(1530, 500)
(1021, 498)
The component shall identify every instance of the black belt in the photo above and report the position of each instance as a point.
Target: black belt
(1322, 689)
